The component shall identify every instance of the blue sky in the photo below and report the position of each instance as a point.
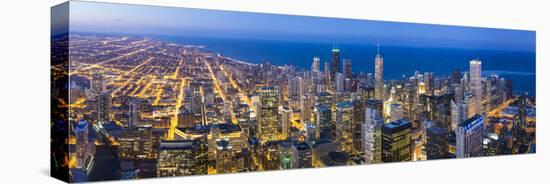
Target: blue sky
(153, 20)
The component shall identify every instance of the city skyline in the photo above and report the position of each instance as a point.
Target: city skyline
(126, 106)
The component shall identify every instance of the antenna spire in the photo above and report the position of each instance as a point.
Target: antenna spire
(378, 49)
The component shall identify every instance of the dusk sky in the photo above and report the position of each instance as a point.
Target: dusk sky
(153, 20)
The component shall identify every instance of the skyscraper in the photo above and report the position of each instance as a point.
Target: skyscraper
(268, 117)
(378, 75)
(344, 125)
(475, 84)
(335, 64)
(302, 155)
(82, 143)
(182, 157)
(306, 107)
(340, 82)
(97, 83)
(396, 141)
(316, 65)
(323, 118)
(347, 69)
(437, 146)
(459, 113)
(225, 160)
(373, 135)
(103, 106)
(469, 137)
(133, 113)
(286, 116)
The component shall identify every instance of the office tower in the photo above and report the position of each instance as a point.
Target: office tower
(459, 93)
(437, 146)
(421, 88)
(326, 99)
(268, 116)
(373, 135)
(286, 117)
(225, 160)
(378, 75)
(312, 132)
(302, 154)
(409, 100)
(475, 84)
(340, 82)
(307, 83)
(327, 73)
(469, 137)
(471, 105)
(335, 64)
(347, 69)
(396, 112)
(182, 157)
(323, 120)
(502, 91)
(455, 77)
(138, 151)
(316, 65)
(396, 141)
(429, 82)
(103, 106)
(133, 113)
(97, 83)
(344, 121)
(82, 144)
(306, 107)
(295, 91)
(358, 125)
(136, 143)
(459, 113)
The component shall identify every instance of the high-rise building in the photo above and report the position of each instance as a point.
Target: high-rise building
(103, 106)
(396, 141)
(340, 82)
(316, 65)
(268, 116)
(302, 154)
(295, 91)
(306, 107)
(378, 75)
(286, 117)
(409, 100)
(133, 113)
(437, 146)
(327, 73)
(323, 120)
(335, 64)
(344, 122)
(225, 157)
(97, 83)
(469, 137)
(475, 84)
(183, 157)
(82, 143)
(396, 112)
(347, 69)
(358, 126)
(459, 113)
(373, 135)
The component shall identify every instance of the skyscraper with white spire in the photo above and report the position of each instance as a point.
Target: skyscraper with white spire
(378, 75)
